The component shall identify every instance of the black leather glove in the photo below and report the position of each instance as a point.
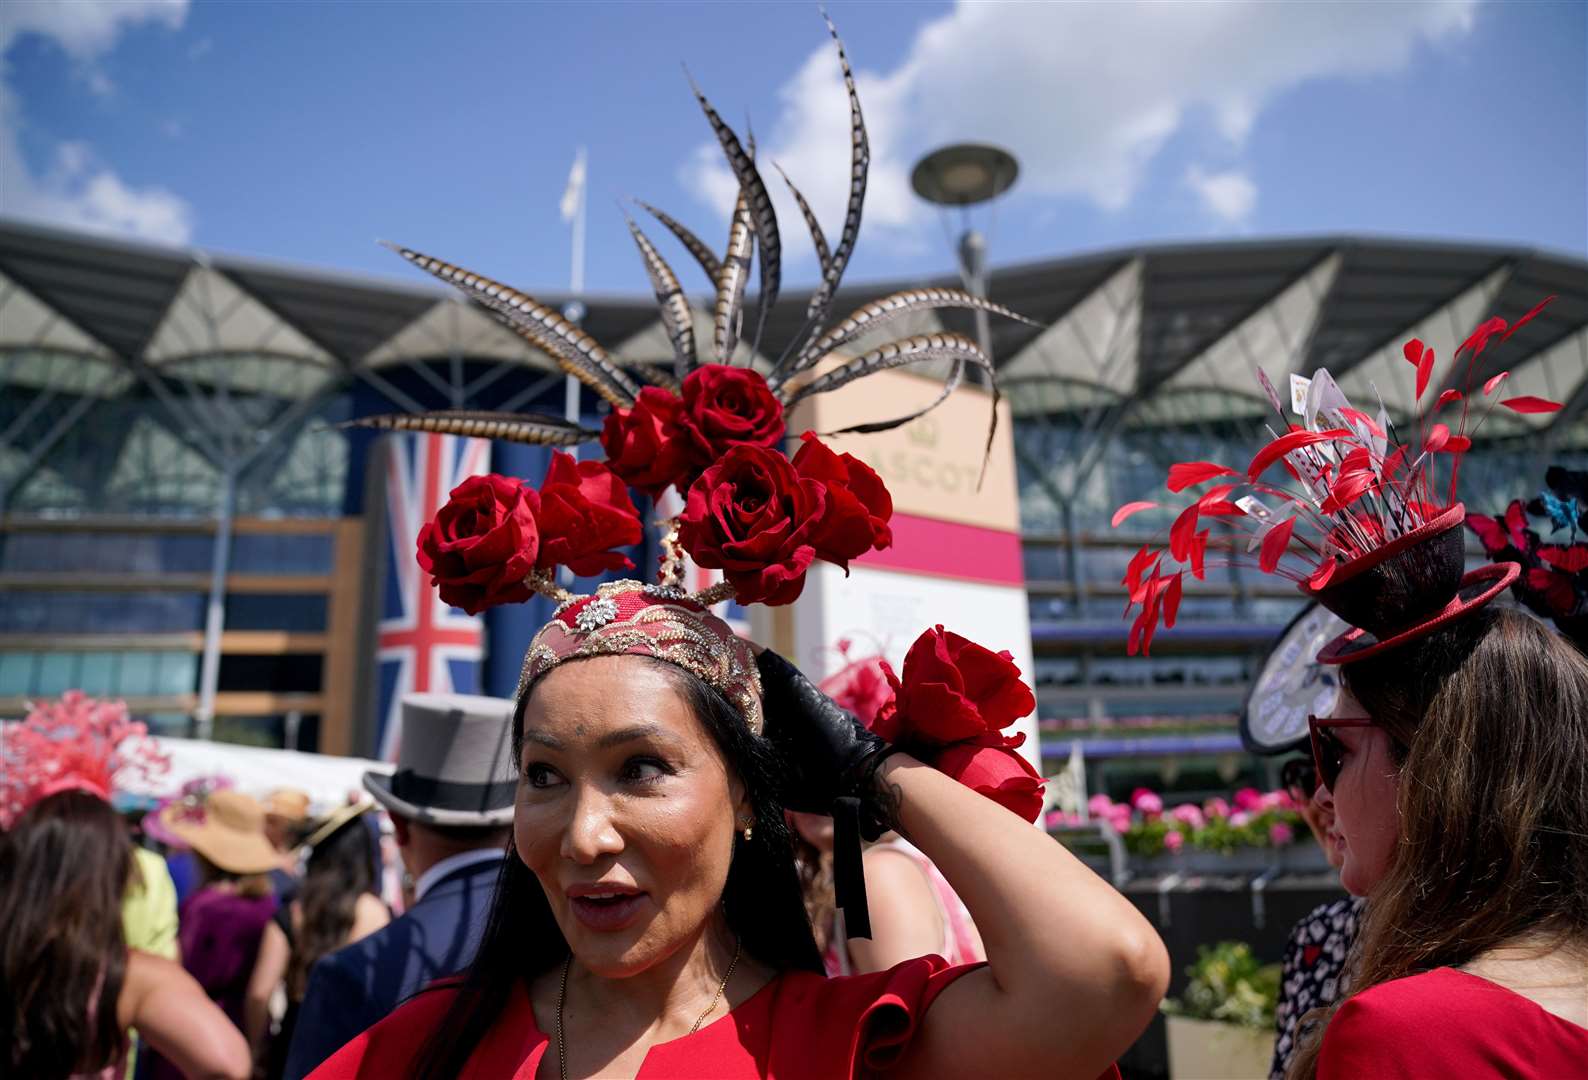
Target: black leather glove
(832, 761)
(829, 752)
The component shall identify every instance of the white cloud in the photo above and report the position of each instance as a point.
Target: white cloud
(1228, 196)
(76, 188)
(86, 29)
(1085, 95)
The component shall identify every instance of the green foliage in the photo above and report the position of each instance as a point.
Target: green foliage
(1230, 986)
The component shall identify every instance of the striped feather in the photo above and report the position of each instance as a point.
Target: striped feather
(921, 348)
(670, 302)
(859, 167)
(537, 429)
(728, 313)
(656, 375)
(574, 351)
(703, 255)
(823, 256)
(869, 316)
(762, 216)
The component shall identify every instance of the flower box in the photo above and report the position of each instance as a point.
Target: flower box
(1211, 1050)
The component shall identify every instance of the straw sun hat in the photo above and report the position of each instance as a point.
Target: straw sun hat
(228, 829)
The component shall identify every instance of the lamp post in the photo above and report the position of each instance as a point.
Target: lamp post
(963, 176)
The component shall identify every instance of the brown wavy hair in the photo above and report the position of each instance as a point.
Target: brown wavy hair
(64, 866)
(1488, 720)
(341, 869)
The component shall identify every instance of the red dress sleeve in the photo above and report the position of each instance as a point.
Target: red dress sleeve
(1449, 1023)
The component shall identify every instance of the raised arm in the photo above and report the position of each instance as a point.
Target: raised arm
(1074, 972)
(175, 1016)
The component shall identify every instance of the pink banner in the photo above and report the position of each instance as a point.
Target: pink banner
(947, 549)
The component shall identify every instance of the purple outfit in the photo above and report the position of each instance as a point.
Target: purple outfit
(220, 934)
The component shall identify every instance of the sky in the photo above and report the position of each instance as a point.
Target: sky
(302, 133)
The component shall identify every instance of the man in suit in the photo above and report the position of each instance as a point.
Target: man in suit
(451, 802)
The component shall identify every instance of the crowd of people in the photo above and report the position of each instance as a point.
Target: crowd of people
(653, 860)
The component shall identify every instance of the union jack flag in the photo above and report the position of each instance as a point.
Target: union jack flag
(422, 644)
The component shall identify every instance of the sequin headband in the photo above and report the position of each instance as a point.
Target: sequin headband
(630, 618)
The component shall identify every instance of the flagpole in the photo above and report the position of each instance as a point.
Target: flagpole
(575, 307)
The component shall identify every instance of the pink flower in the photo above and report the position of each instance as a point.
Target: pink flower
(1189, 814)
(1279, 834)
(1099, 805)
(1119, 817)
(1274, 800)
(1216, 808)
(1240, 819)
(1173, 842)
(1248, 799)
(1146, 801)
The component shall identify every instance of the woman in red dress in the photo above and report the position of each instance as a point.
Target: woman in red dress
(649, 920)
(1458, 771)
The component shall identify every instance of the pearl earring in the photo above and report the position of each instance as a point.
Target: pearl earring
(748, 831)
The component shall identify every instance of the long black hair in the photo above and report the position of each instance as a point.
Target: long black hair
(762, 897)
(64, 867)
(341, 869)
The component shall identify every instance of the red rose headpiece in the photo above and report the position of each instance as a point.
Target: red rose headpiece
(712, 427)
(75, 744)
(1365, 525)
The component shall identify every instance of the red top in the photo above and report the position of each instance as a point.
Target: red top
(800, 1025)
(1449, 1023)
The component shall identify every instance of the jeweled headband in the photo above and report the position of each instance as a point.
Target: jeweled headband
(630, 618)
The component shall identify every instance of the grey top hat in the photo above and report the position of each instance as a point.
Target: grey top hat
(456, 763)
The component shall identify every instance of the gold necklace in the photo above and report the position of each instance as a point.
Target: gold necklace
(562, 994)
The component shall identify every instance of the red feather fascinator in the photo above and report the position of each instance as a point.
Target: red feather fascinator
(1361, 516)
(78, 743)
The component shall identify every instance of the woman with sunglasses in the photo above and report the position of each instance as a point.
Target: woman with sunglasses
(1457, 769)
(1315, 956)
(1456, 756)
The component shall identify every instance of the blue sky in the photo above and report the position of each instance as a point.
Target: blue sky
(303, 132)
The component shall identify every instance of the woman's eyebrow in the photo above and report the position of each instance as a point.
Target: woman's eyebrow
(543, 738)
(631, 733)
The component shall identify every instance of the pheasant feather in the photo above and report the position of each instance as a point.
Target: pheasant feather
(922, 348)
(762, 216)
(869, 316)
(695, 245)
(537, 429)
(670, 300)
(859, 167)
(823, 255)
(728, 313)
(574, 351)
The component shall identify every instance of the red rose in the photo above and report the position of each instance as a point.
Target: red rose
(858, 503)
(584, 511)
(955, 689)
(751, 516)
(998, 772)
(724, 407)
(645, 445)
(861, 687)
(482, 543)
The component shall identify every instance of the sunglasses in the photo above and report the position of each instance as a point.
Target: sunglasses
(1299, 776)
(1328, 751)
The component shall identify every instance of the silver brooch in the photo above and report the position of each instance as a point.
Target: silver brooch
(596, 614)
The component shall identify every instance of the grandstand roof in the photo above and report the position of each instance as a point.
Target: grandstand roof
(1120, 326)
